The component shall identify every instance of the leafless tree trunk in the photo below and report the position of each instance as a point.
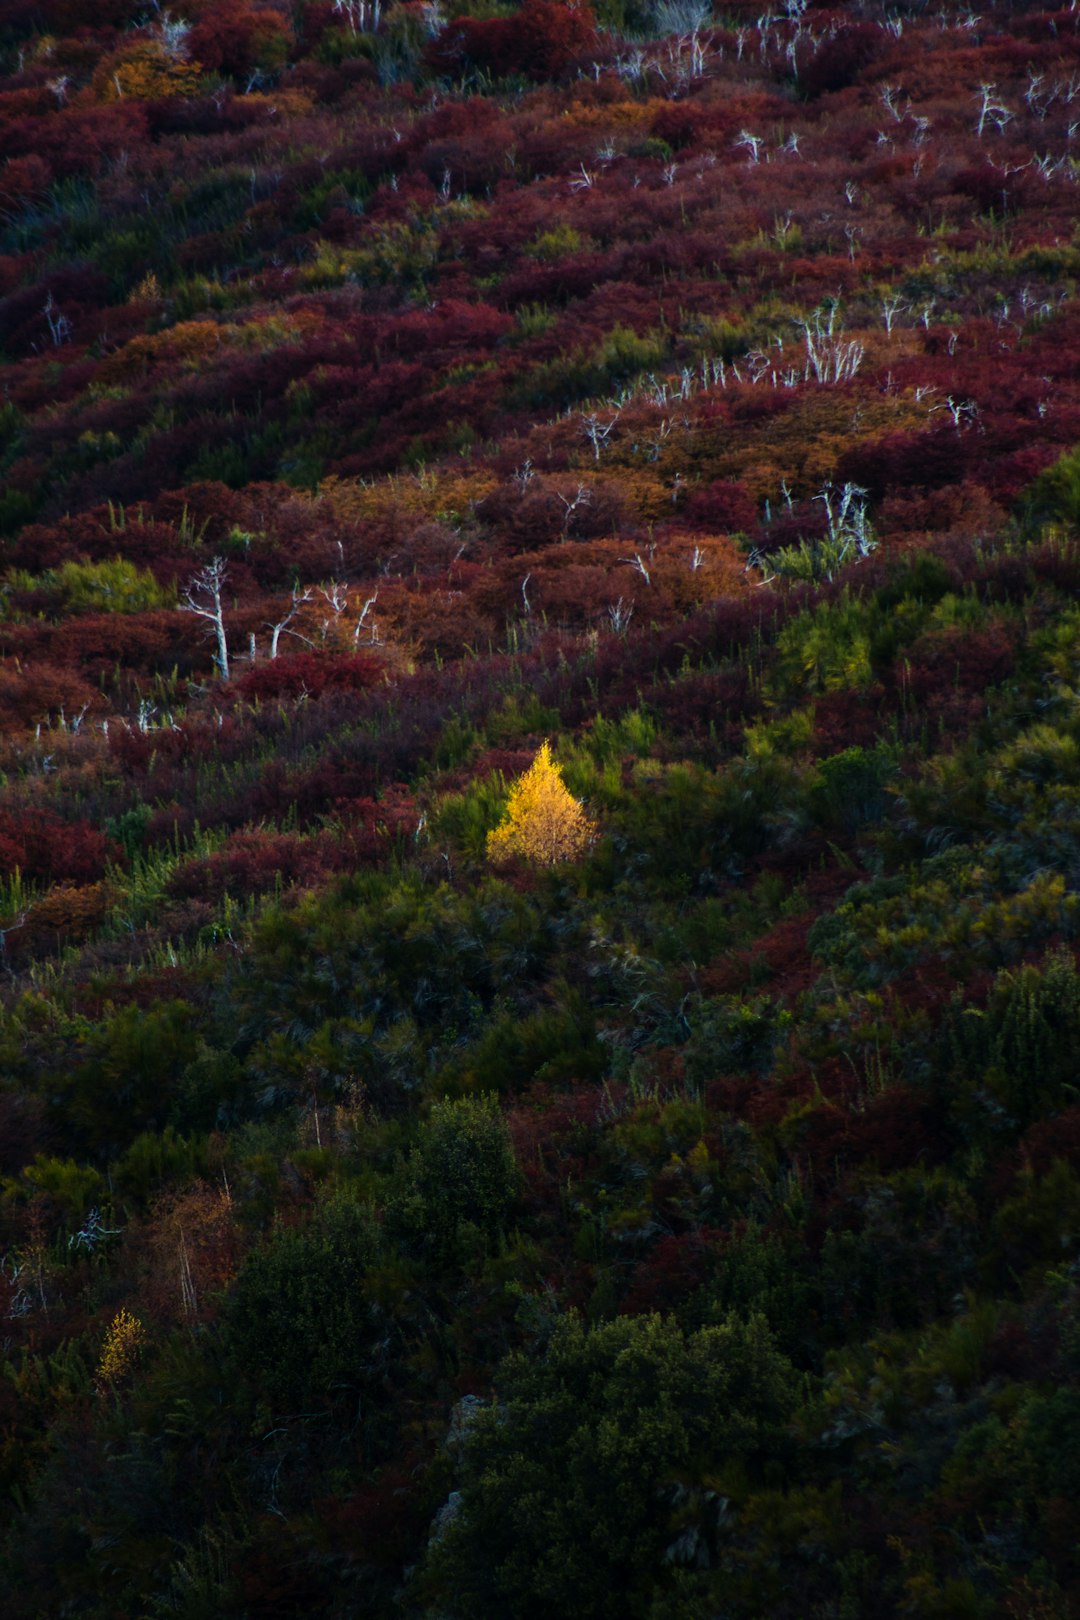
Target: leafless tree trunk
(202, 596)
(299, 597)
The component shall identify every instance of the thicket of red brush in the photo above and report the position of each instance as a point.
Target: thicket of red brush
(687, 1231)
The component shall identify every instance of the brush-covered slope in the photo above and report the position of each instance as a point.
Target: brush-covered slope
(675, 1216)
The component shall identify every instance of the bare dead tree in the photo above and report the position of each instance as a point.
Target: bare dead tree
(830, 357)
(202, 596)
(337, 600)
(635, 562)
(12, 928)
(620, 613)
(751, 144)
(364, 623)
(58, 323)
(581, 497)
(991, 108)
(362, 16)
(299, 597)
(891, 306)
(597, 432)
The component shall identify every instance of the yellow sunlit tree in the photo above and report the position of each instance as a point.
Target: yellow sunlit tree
(121, 1350)
(543, 823)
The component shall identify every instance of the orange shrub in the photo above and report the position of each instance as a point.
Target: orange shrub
(145, 72)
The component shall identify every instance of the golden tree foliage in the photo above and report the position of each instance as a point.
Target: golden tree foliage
(436, 493)
(544, 823)
(146, 72)
(121, 1349)
(193, 1247)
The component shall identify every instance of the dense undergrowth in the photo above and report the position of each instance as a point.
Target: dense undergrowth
(688, 1231)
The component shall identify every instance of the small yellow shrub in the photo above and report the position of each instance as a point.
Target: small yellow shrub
(544, 823)
(120, 1352)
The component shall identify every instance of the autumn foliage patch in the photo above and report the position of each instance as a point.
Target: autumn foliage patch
(539, 810)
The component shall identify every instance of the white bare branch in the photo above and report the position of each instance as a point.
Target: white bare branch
(202, 596)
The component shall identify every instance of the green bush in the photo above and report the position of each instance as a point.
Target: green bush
(554, 1043)
(733, 1035)
(1023, 1044)
(461, 1172)
(761, 1273)
(72, 1187)
(153, 1161)
(1050, 1428)
(127, 1076)
(596, 1476)
(299, 1325)
(849, 790)
(16, 508)
(1054, 497)
(825, 650)
(555, 243)
(112, 586)
(900, 1254)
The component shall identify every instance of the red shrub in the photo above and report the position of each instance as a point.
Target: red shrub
(233, 38)
(80, 140)
(924, 460)
(673, 1269)
(376, 1524)
(540, 41)
(841, 58)
(848, 719)
(41, 694)
(550, 35)
(66, 914)
(778, 955)
(959, 660)
(310, 674)
(47, 849)
(253, 863)
(372, 826)
(66, 16)
(22, 179)
(23, 1132)
(723, 506)
(705, 701)
(891, 1131)
(1046, 1141)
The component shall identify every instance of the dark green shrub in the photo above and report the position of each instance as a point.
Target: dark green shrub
(1023, 1044)
(1054, 497)
(924, 579)
(849, 790)
(555, 1043)
(732, 1035)
(153, 1161)
(761, 1273)
(462, 1171)
(16, 508)
(902, 1253)
(128, 1077)
(1050, 1427)
(299, 1326)
(597, 1474)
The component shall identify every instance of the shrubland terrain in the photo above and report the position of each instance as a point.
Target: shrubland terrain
(407, 1211)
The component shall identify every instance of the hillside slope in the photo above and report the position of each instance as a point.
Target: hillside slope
(674, 1214)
